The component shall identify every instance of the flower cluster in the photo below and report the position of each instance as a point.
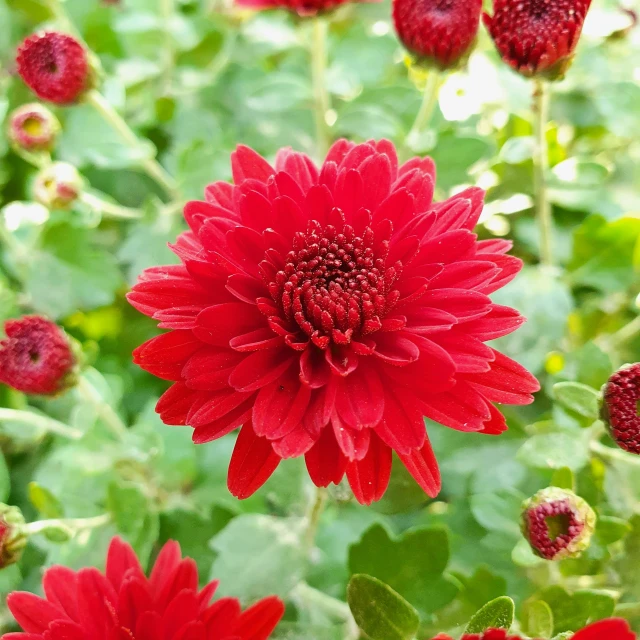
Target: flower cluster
(36, 356)
(328, 310)
(124, 603)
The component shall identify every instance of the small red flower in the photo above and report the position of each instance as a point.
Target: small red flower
(54, 66)
(33, 127)
(557, 523)
(328, 310)
(537, 37)
(438, 32)
(124, 604)
(36, 356)
(620, 407)
(611, 629)
(301, 7)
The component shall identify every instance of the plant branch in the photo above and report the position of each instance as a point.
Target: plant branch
(313, 517)
(41, 422)
(612, 454)
(109, 209)
(150, 165)
(72, 524)
(104, 410)
(321, 102)
(540, 169)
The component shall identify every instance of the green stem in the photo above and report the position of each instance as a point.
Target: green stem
(540, 168)
(72, 524)
(313, 518)
(104, 410)
(167, 10)
(150, 165)
(319, 61)
(42, 422)
(428, 106)
(627, 332)
(616, 455)
(109, 208)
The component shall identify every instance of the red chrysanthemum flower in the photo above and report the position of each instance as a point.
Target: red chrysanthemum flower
(36, 356)
(124, 604)
(438, 32)
(54, 66)
(611, 629)
(301, 7)
(328, 311)
(620, 407)
(537, 37)
(33, 127)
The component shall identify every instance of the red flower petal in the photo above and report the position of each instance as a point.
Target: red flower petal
(423, 466)
(370, 476)
(258, 621)
(325, 462)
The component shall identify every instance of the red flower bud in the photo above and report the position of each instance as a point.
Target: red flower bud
(54, 66)
(439, 32)
(36, 357)
(537, 37)
(620, 407)
(33, 127)
(58, 185)
(13, 537)
(557, 523)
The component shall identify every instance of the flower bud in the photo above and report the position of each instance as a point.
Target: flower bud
(620, 407)
(557, 523)
(37, 357)
(55, 66)
(33, 127)
(438, 33)
(13, 535)
(58, 185)
(537, 37)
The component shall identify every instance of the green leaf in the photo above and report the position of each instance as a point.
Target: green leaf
(538, 619)
(258, 555)
(563, 478)
(379, 611)
(70, 272)
(499, 511)
(497, 614)
(556, 450)
(412, 564)
(572, 611)
(578, 397)
(44, 501)
(610, 529)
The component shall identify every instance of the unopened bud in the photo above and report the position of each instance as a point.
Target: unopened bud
(58, 185)
(33, 127)
(13, 535)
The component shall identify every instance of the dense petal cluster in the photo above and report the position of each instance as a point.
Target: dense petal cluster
(438, 32)
(620, 407)
(301, 7)
(33, 127)
(124, 604)
(557, 523)
(611, 629)
(54, 66)
(328, 310)
(36, 356)
(537, 37)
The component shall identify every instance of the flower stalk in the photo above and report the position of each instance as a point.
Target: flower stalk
(109, 209)
(70, 525)
(321, 102)
(313, 518)
(104, 410)
(150, 165)
(50, 425)
(540, 168)
(428, 106)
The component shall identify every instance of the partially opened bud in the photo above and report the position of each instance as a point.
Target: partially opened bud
(438, 33)
(620, 400)
(58, 185)
(557, 523)
(33, 127)
(537, 37)
(37, 357)
(55, 66)
(13, 535)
